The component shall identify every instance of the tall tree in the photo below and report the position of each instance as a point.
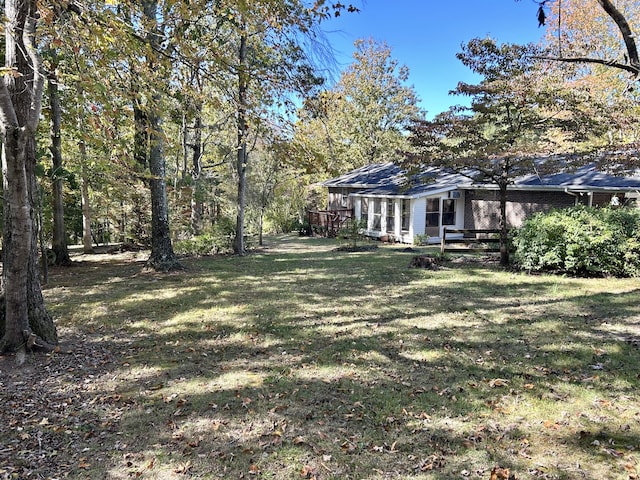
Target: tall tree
(364, 118)
(59, 240)
(514, 117)
(269, 66)
(243, 130)
(162, 255)
(21, 90)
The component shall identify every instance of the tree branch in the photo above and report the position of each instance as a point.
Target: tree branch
(7, 111)
(625, 30)
(633, 69)
(28, 38)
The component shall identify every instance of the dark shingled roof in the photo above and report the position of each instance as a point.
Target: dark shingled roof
(383, 179)
(388, 179)
(587, 178)
(376, 174)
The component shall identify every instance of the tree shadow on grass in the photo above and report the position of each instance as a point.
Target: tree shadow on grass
(349, 366)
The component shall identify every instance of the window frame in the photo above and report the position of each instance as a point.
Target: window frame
(432, 214)
(406, 215)
(391, 215)
(364, 211)
(448, 215)
(377, 215)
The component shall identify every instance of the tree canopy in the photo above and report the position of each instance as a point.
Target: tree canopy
(363, 118)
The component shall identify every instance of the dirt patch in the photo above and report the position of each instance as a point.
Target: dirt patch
(425, 261)
(475, 259)
(357, 248)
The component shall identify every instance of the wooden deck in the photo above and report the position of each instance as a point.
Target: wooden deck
(328, 222)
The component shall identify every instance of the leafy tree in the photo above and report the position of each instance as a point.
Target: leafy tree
(263, 181)
(513, 118)
(583, 30)
(270, 65)
(162, 255)
(363, 119)
(609, 55)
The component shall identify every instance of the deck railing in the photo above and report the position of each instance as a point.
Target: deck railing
(328, 222)
(483, 240)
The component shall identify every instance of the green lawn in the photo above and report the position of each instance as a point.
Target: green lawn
(300, 361)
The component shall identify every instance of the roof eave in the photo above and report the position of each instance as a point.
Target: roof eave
(551, 188)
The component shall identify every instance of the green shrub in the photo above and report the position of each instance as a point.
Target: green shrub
(581, 240)
(420, 239)
(216, 240)
(351, 232)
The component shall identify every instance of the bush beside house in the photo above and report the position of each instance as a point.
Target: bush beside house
(581, 241)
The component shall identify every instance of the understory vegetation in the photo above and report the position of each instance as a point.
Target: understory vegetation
(581, 240)
(217, 239)
(302, 361)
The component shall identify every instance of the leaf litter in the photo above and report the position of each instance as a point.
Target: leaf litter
(508, 400)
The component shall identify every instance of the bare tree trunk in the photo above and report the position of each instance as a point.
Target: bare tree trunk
(20, 107)
(59, 242)
(260, 226)
(140, 135)
(162, 257)
(87, 243)
(241, 160)
(40, 320)
(196, 201)
(17, 240)
(504, 230)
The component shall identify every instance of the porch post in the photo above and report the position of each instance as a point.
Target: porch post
(441, 202)
(397, 231)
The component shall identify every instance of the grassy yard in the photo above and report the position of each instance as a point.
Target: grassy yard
(300, 361)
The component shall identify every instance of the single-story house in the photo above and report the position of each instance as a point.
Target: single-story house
(380, 195)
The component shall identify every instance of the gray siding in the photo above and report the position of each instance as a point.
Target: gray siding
(335, 198)
(482, 207)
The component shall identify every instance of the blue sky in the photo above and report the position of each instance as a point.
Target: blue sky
(425, 35)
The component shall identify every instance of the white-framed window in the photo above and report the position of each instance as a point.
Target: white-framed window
(391, 215)
(406, 215)
(344, 200)
(377, 214)
(433, 212)
(364, 211)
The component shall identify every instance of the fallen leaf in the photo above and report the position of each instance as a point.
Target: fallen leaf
(183, 467)
(308, 472)
(498, 382)
(499, 473)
